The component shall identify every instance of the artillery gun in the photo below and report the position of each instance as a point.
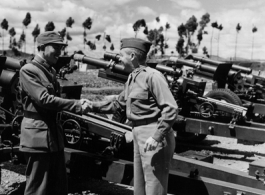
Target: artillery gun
(189, 94)
(11, 108)
(98, 132)
(200, 115)
(249, 88)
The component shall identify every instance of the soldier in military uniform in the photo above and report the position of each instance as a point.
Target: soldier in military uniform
(150, 106)
(41, 139)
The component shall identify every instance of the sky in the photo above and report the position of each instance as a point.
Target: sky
(116, 18)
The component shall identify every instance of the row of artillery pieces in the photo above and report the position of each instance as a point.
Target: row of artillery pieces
(100, 146)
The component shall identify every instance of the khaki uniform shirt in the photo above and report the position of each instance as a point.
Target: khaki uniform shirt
(146, 96)
(40, 133)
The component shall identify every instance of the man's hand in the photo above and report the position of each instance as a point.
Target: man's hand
(150, 144)
(86, 105)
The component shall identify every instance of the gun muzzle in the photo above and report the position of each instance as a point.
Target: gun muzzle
(118, 68)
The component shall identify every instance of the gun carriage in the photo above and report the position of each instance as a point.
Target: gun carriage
(108, 144)
(219, 106)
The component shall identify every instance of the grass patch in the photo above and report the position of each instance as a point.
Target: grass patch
(90, 79)
(94, 87)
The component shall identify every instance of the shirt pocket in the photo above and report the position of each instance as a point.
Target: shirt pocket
(139, 100)
(34, 134)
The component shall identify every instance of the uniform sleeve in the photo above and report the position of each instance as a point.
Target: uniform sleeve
(117, 105)
(39, 94)
(166, 103)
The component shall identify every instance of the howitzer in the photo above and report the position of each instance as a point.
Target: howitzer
(98, 132)
(188, 93)
(237, 78)
(249, 88)
(95, 131)
(234, 67)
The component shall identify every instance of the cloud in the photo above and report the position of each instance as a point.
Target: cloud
(116, 18)
(143, 10)
(101, 5)
(27, 5)
(193, 4)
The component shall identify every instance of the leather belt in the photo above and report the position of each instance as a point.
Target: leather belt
(144, 122)
(32, 115)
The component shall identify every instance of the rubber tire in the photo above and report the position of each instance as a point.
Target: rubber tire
(219, 94)
(224, 94)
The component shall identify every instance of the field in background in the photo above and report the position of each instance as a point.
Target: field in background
(94, 87)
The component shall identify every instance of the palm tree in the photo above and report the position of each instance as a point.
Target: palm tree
(63, 33)
(214, 25)
(220, 27)
(87, 25)
(98, 37)
(107, 37)
(26, 22)
(254, 29)
(68, 37)
(166, 27)
(205, 19)
(112, 47)
(69, 22)
(137, 25)
(49, 26)
(145, 30)
(12, 33)
(35, 33)
(4, 25)
(238, 28)
(21, 41)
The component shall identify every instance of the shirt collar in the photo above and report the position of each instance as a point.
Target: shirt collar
(139, 69)
(41, 61)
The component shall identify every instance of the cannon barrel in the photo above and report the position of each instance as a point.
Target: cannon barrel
(9, 74)
(120, 68)
(201, 67)
(10, 63)
(216, 63)
(100, 63)
(206, 69)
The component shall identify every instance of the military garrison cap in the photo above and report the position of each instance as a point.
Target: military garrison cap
(136, 43)
(50, 37)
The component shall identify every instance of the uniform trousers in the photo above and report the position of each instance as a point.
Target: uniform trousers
(151, 168)
(46, 174)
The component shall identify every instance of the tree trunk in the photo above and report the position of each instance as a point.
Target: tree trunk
(211, 44)
(218, 44)
(34, 48)
(252, 46)
(3, 41)
(25, 48)
(66, 31)
(236, 46)
(84, 39)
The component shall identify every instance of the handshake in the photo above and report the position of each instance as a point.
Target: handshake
(87, 106)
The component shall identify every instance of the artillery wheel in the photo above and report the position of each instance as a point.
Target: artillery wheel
(224, 95)
(220, 94)
(73, 131)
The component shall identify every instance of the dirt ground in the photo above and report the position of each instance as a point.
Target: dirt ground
(226, 152)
